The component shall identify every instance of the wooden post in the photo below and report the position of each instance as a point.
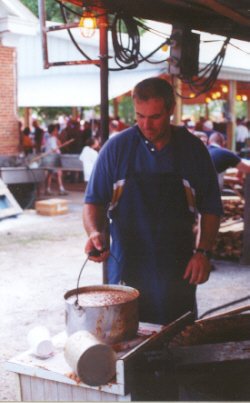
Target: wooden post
(26, 117)
(246, 234)
(103, 27)
(74, 112)
(206, 111)
(232, 117)
(116, 107)
(178, 107)
(248, 109)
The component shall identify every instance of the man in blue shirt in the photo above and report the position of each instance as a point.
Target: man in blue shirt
(224, 158)
(146, 188)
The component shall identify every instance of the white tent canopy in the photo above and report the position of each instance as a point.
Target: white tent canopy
(80, 85)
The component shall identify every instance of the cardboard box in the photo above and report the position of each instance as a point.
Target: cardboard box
(52, 207)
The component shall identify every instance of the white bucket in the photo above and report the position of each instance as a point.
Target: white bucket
(93, 361)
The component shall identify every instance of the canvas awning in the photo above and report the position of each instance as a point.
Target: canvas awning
(80, 85)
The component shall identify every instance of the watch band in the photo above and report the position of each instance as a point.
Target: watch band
(204, 252)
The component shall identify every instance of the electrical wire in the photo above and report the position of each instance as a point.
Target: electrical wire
(61, 3)
(237, 47)
(207, 76)
(128, 56)
(62, 7)
(125, 54)
(68, 8)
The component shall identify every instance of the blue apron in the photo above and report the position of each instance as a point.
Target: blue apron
(152, 229)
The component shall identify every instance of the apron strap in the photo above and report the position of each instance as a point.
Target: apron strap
(131, 162)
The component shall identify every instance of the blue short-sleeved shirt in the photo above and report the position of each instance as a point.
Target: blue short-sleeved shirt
(223, 158)
(195, 165)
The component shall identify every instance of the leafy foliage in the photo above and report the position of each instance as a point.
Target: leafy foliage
(53, 12)
(48, 114)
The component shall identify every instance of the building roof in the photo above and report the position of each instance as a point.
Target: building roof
(15, 18)
(80, 85)
(229, 18)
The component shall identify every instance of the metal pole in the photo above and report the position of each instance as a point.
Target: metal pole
(178, 107)
(103, 27)
(232, 113)
(42, 18)
(246, 234)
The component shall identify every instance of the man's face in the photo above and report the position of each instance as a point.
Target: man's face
(153, 119)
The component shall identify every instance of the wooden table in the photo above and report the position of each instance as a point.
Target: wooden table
(47, 379)
(213, 372)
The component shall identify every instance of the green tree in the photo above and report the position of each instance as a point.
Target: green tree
(53, 11)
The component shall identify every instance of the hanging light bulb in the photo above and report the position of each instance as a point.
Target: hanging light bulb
(165, 48)
(224, 88)
(87, 24)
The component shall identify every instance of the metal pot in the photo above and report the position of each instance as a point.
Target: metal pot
(109, 322)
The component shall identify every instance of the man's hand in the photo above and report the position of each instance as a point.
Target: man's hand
(198, 269)
(97, 242)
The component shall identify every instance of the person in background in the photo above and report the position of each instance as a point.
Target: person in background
(27, 143)
(224, 158)
(248, 127)
(113, 128)
(241, 134)
(199, 123)
(150, 180)
(190, 125)
(87, 132)
(202, 136)
(37, 136)
(52, 161)
(208, 127)
(88, 157)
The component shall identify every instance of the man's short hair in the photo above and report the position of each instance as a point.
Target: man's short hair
(217, 138)
(155, 87)
(208, 125)
(51, 128)
(91, 141)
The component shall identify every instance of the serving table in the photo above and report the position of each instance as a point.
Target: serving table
(49, 379)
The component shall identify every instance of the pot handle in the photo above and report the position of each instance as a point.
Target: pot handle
(78, 280)
(94, 252)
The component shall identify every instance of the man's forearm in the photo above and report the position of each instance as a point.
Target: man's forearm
(210, 224)
(94, 218)
(95, 222)
(198, 268)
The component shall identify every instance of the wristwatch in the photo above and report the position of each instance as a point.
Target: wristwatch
(204, 252)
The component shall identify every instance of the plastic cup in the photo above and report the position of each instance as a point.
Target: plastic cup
(40, 342)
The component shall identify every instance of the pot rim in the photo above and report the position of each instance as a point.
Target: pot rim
(101, 287)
